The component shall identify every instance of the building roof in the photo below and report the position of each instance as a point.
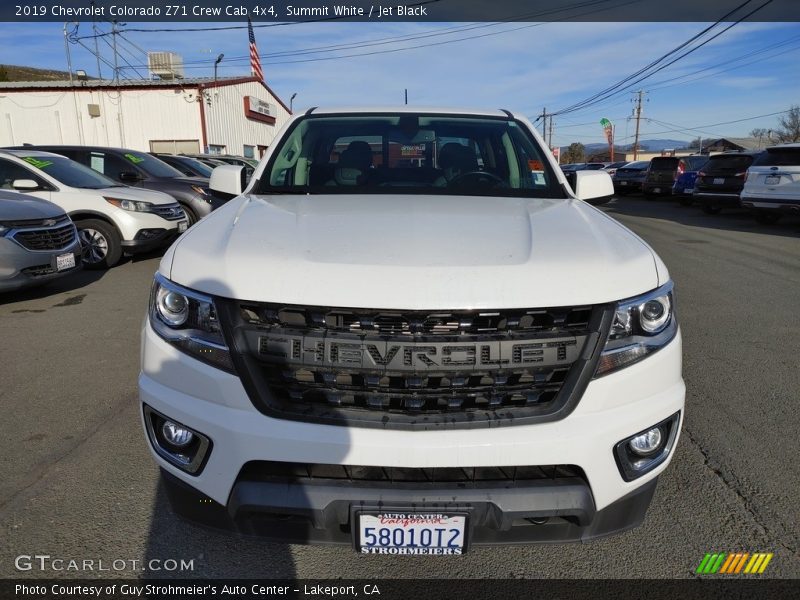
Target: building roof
(745, 143)
(134, 84)
(124, 83)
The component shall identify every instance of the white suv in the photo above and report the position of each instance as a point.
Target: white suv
(111, 218)
(409, 335)
(772, 183)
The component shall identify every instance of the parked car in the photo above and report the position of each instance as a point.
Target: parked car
(249, 164)
(721, 180)
(772, 183)
(629, 177)
(526, 388)
(683, 188)
(112, 219)
(611, 168)
(190, 167)
(141, 170)
(664, 170)
(38, 242)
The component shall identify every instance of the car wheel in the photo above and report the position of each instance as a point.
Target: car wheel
(710, 209)
(191, 217)
(766, 217)
(686, 201)
(100, 244)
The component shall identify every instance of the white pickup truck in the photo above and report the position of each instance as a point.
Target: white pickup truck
(409, 334)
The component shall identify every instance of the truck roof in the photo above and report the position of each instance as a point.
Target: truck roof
(331, 110)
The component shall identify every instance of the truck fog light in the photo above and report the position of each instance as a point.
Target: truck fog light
(647, 443)
(642, 452)
(184, 448)
(176, 435)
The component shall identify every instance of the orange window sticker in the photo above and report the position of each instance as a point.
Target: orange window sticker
(535, 165)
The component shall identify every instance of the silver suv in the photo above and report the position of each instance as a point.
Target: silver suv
(772, 184)
(38, 242)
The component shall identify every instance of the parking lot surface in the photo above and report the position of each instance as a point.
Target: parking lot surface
(77, 481)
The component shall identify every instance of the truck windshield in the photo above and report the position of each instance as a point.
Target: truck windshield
(70, 172)
(410, 154)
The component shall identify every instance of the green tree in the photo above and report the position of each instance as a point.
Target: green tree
(3, 73)
(790, 125)
(575, 153)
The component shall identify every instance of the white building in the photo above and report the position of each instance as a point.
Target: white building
(221, 116)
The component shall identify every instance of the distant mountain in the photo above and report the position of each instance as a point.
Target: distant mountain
(650, 145)
(17, 73)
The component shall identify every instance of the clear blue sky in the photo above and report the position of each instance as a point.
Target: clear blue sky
(521, 66)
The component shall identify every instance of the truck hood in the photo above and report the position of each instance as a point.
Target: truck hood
(412, 252)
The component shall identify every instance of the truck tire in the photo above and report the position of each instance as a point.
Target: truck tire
(100, 244)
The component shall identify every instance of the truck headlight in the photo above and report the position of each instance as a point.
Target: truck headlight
(188, 320)
(641, 326)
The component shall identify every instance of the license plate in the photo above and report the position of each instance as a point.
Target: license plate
(656, 190)
(688, 190)
(623, 183)
(182, 225)
(410, 533)
(719, 180)
(772, 179)
(65, 261)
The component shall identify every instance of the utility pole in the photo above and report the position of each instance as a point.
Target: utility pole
(550, 134)
(638, 115)
(114, 46)
(544, 122)
(96, 45)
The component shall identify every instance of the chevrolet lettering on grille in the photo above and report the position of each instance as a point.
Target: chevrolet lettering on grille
(327, 351)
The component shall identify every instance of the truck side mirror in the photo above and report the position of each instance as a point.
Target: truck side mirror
(226, 180)
(594, 187)
(25, 185)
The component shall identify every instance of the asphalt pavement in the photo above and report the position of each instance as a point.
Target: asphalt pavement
(77, 482)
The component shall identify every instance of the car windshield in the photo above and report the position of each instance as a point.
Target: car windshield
(196, 166)
(779, 157)
(731, 164)
(410, 154)
(667, 163)
(70, 172)
(151, 165)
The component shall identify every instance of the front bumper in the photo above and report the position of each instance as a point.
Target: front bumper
(148, 242)
(21, 268)
(214, 403)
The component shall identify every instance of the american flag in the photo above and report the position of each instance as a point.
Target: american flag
(255, 61)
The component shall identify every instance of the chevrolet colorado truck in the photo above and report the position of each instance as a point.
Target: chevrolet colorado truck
(409, 334)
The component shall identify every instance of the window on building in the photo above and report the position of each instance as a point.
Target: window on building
(175, 146)
(249, 151)
(216, 149)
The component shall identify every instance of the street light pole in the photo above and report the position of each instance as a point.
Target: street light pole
(291, 102)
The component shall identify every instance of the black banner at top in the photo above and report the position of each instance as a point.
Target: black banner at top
(282, 11)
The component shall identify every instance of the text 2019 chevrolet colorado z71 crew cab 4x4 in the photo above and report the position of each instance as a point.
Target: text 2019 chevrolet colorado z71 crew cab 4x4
(411, 335)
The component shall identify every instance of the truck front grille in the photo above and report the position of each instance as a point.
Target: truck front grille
(52, 238)
(413, 369)
(275, 471)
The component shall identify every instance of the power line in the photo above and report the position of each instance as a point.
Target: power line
(643, 73)
(410, 37)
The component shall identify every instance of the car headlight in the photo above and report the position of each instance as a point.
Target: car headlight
(188, 320)
(132, 205)
(641, 326)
